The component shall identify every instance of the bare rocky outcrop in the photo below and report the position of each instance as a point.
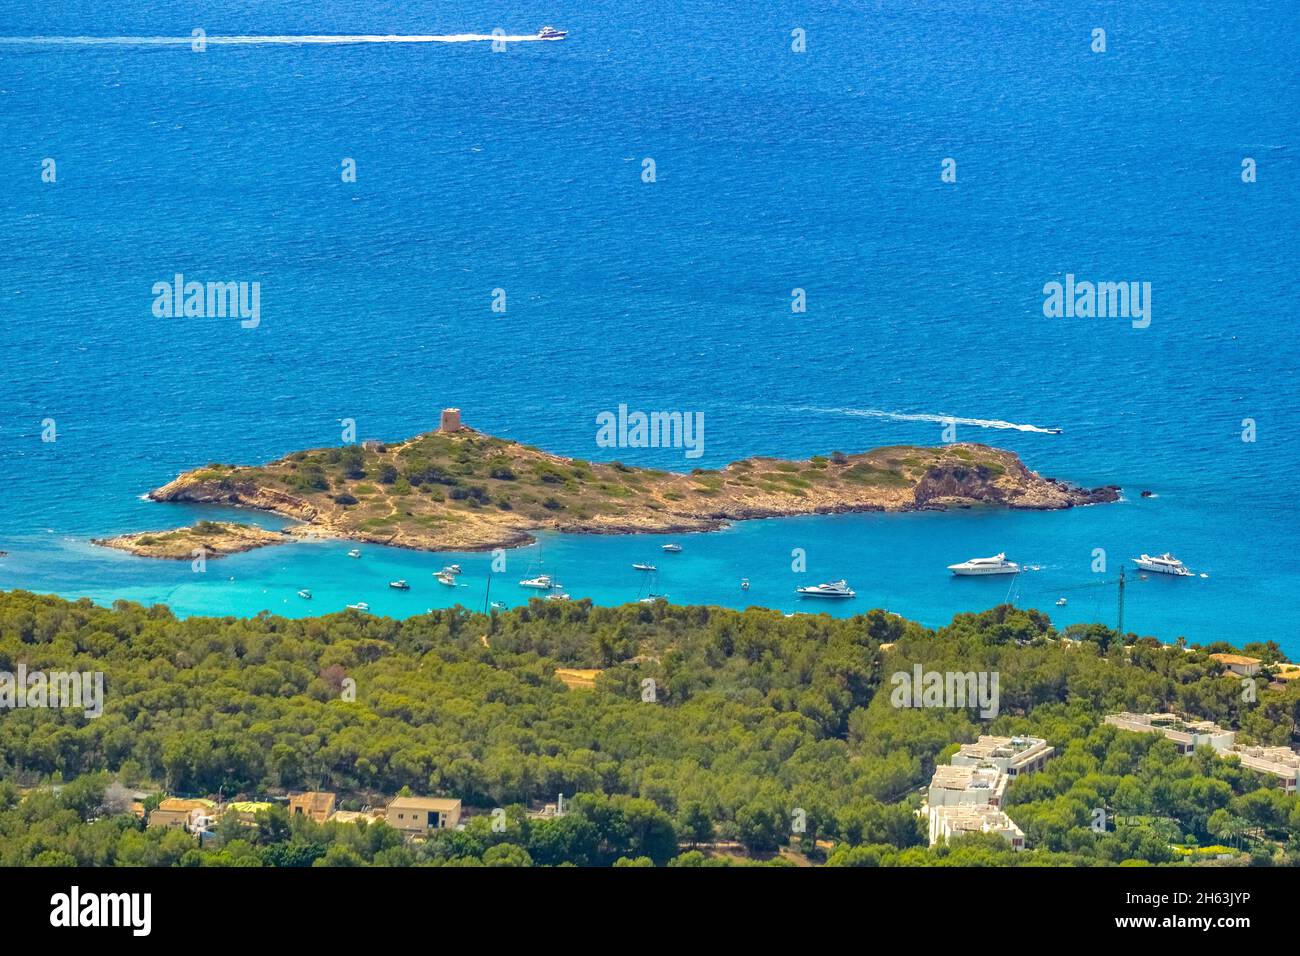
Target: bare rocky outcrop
(213, 539)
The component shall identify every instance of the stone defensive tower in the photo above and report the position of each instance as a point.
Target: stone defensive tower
(450, 420)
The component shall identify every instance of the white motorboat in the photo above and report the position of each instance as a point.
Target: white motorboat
(354, 553)
(644, 567)
(1163, 564)
(673, 548)
(399, 585)
(359, 606)
(1061, 602)
(543, 582)
(998, 564)
(550, 33)
(304, 594)
(443, 577)
(831, 589)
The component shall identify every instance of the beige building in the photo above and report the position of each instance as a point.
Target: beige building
(967, 786)
(414, 815)
(316, 804)
(1187, 735)
(1012, 755)
(177, 812)
(946, 822)
(1238, 664)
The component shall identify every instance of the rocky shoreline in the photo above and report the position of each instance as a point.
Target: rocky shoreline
(210, 538)
(465, 491)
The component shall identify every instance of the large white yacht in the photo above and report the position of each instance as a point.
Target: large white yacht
(542, 582)
(998, 564)
(550, 33)
(1163, 564)
(831, 589)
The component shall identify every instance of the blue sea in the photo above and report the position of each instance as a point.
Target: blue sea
(522, 171)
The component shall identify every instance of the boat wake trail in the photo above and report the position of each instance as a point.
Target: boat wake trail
(925, 417)
(264, 40)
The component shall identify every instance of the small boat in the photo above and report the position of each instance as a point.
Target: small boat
(673, 548)
(1061, 602)
(644, 567)
(399, 585)
(304, 594)
(452, 569)
(652, 598)
(359, 606)
(542, 582)
(998, 564)
(498, 605)
(550, 33)
(558, 596)
(831, 589)
(444, 577)
(354, 553)
(1163, 564)
(744, 584)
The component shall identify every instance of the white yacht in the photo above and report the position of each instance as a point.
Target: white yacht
(447, 578)
(305, 594)
(644, 567)
(399, 585)
(550, 33)
(998, 564)
(452, 569)
(557, 596)
(542, 582)
(1163, 564)
(832, 589)
(673, 548)
(354, 553)
(359, 606)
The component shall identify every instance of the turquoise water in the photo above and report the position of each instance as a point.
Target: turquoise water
(521, 170)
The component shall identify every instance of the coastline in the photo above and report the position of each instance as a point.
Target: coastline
(211, 539)
(465, 491)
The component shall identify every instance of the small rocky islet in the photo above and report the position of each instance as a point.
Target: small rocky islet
(457, 489)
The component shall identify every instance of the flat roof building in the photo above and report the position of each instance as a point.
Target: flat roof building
(967, 786)
(1012, 755)
(946, 822)
(1280, 762)
(1186, 735)
(413, 815)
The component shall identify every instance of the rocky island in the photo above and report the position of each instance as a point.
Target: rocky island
(216, 538)
(458, 489)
